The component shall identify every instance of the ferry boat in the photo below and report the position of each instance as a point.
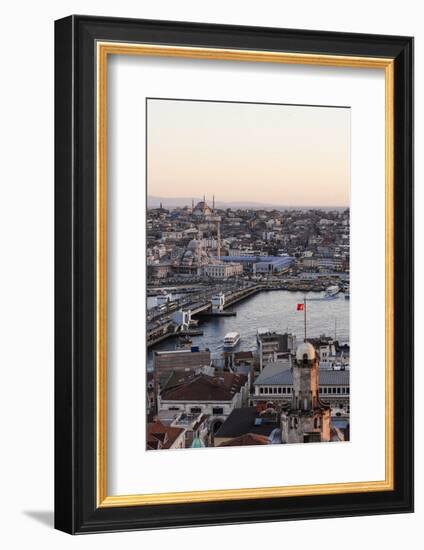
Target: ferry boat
(332, 291)
(231, 339)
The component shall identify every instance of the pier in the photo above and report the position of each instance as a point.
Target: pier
(162, 326)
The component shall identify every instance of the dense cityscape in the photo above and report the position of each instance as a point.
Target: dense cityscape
(205, 262)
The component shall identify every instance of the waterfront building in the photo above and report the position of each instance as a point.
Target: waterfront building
(272, 264)
(159, 270)
(223, 270)
(273, 346)
(307, 418)
(244, 359)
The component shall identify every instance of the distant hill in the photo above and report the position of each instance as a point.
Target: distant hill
(179, 202)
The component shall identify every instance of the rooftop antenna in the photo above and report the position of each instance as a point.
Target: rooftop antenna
(213, 204)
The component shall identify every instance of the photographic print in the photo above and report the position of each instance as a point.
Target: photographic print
(214, 186)
(247, 256)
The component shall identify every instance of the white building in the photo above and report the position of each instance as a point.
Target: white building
(214, 396)
(223, 271)
(275, 385)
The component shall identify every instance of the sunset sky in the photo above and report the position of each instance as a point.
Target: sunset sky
(280, 154)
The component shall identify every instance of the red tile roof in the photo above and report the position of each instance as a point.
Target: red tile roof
(160, 436)
(246, 439)
(207, 388)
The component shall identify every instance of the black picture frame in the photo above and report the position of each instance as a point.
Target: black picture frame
(76, 510)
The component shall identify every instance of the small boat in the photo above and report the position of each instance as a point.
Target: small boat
(332, 291)
(231, 339)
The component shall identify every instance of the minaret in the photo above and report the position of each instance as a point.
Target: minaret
(307, 419)
(218, 244)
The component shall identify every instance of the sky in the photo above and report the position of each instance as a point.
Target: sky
(280, 154)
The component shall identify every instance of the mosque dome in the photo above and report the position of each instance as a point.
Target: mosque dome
(202, 209)
(194, 245)
(305, 349)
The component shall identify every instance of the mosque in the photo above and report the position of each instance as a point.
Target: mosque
(202, 210)
(194, 258)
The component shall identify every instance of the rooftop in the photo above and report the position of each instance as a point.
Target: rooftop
(247, 420)
(206, 388)
(279, 373)
(246, 439)
(160, 436)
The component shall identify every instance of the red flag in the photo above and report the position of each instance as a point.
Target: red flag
(300, 307)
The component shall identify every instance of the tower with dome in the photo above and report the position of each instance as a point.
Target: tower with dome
(306, 419)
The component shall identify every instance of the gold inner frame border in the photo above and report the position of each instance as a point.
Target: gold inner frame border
(103, 50)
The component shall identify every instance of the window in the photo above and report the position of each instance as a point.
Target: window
(217, 410)
(320, 390)
(338, 390)
(265, 390)
(334, 390)
(174, 409)
(279, 390)
(261, 390)
(195, 410)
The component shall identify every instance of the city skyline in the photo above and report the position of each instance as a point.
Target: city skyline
(290, 156)
(181, 202)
